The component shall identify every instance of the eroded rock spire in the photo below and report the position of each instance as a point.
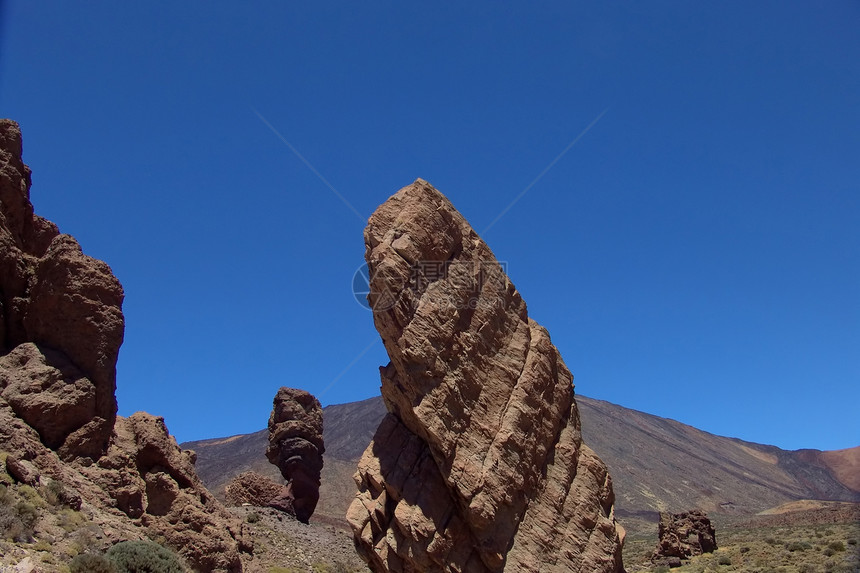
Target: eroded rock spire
(479, 465)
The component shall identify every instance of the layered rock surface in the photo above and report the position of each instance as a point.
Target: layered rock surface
(61, 326)
(479, 465)
(296, 448)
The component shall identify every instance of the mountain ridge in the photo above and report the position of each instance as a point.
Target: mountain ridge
(656, 463)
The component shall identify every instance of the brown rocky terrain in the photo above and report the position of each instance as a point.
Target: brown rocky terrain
(479, 465)
(62, 444)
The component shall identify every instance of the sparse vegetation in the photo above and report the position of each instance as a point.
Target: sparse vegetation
(253, 517)
(91, 563)
(17, 516)
(143, 557)
(797, 543)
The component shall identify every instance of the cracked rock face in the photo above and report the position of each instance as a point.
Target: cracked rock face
(67, 304)
(479, 465)
(296, 448)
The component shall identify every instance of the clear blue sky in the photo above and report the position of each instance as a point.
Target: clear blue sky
(695, 255)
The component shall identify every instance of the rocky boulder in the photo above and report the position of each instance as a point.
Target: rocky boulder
(683, 535)
(479, 465)
(67, 304)
(296, 448)
(251, 488)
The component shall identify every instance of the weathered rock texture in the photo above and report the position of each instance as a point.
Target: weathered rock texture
(61, 326)
(683, 535)
(251, 488)
(296, 448)
(479, 465)
(68, 305)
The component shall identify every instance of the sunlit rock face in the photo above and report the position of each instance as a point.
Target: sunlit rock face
(479, 465)
(68, 306)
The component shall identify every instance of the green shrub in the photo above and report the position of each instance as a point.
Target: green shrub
(32, 496)
(798, 546)
(91, 563)
(6, 497)
(253, 517)
(71, 520)
(143, 557)
(724, 560)
(53, 492)
(836, 546)
(17, 518)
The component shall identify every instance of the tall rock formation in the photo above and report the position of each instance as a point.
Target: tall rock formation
(479, 465)
(296, 448)
(61, 326)
(68, 305)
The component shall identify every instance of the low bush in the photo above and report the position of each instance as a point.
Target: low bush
(53, 492)
(724, 560)
(91, 563)
(17, 517)
(253, 517)
(32, 496)
(836, 546)
(144, 557)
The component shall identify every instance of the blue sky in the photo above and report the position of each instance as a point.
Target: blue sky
(695, 255)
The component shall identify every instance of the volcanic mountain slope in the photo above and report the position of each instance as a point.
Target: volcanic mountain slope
(656, 463)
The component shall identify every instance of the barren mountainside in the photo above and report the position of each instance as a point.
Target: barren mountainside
(656, 463)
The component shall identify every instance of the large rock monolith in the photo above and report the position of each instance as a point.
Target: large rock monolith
(479, 465)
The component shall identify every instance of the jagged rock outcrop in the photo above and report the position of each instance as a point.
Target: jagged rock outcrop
(683, 535)
(147, 476)
(296, 448)
(54, 296)
(256, 489)
(480, 465)
(61, 326)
